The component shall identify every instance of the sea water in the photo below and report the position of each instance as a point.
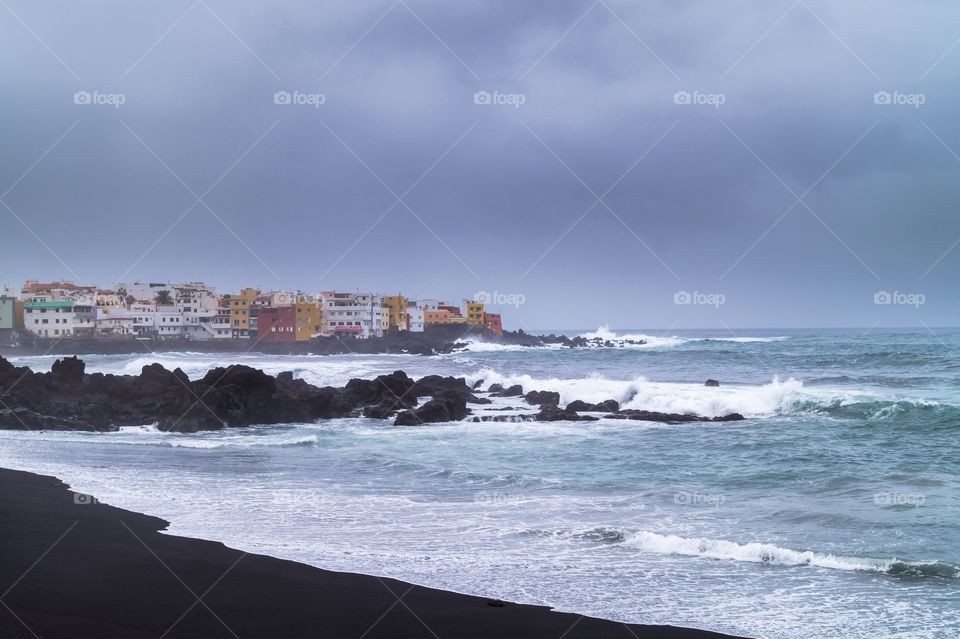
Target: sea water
(832, 510)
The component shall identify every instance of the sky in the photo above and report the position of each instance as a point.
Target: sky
(669, 163)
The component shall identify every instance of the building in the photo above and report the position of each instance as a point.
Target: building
(474, 312)
(397, 306)
(114, 321)
(493, 323)
(59, 318)
(359, 314)
(308, 318)
(58, 309)
(277, 323)
(414, 318)
(435, 316)
(18, 315)
(216, 326)
(239, 305)
(33, 290)
(442, 316)
(8, 312)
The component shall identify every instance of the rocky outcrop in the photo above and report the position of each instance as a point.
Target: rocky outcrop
(69, 398)
(670, 418)
(557, 414)
(448, 407)
(608, 406)
(514, 391)
(711, 382)
(543, 398)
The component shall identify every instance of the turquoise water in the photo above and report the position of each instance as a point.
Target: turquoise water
(833, 510)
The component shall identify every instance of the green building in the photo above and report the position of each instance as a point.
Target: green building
(8, 312)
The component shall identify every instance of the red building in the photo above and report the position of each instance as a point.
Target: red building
(492, 322)
(277, 323)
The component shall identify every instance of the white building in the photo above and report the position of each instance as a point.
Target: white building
(59, 318)
(429, 304)
(59, 309)
(415, 318)
(193, 311)
(360, 314)
(114, 321)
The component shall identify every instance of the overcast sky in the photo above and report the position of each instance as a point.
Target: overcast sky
(630, 152)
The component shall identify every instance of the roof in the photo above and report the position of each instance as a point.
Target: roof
(35, 287)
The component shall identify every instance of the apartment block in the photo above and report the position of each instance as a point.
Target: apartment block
(358, 314)
(397, 306)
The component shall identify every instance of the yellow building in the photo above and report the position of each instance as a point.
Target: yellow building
(308, 320)
(399, 316)
(475, 313)
(239, 305)
(384, 318)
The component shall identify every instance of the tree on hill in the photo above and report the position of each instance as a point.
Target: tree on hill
(163, 298)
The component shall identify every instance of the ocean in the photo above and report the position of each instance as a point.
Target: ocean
(832, 510)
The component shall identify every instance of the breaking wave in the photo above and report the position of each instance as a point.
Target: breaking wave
(778, 397)
(243, 442)
(655, 341)
(774, 555)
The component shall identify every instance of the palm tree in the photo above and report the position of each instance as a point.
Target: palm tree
(163, 298)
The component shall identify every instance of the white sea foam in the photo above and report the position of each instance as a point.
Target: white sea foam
(242, 442)
(774, 555)
(752, 401)
(660, 341)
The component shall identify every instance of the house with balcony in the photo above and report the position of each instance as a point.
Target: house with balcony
(358, 314)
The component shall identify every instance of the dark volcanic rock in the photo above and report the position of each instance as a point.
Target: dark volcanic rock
(495, 388)
(448, 407)
(396, 386)
(711, 382)
(543, 398)
(69, 399)
(670, 418)
(68, 372)
(732, 417)
(514, 391)
(608, 406)
(557, 414)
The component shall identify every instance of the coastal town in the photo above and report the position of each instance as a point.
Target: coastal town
(196, 311)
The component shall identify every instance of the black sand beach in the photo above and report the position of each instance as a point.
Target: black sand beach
(70, 569)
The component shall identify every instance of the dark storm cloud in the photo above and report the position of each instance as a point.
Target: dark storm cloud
(500, 198)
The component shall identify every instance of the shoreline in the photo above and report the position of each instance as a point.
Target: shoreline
(77, 567)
